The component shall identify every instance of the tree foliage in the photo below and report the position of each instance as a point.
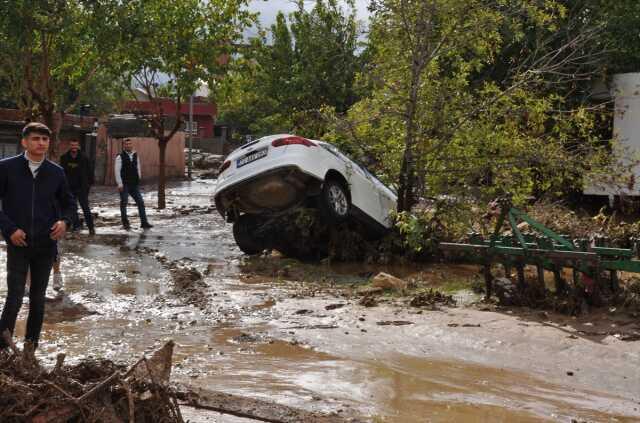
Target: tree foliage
(51, 52)
(190, 42)
(307, 61)
(621, 22)
(475, 98)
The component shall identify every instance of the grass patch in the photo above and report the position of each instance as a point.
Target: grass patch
(455, 285)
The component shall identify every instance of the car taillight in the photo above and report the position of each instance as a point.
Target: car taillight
(292, 141)
(224, 166)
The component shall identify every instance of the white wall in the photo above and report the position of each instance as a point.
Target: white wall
(625, 90)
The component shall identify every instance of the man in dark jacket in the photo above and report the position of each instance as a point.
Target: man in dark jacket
(37, 208)
(128, 174)
(80, 178)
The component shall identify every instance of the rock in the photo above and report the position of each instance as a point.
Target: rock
(387, 281)
(506, 291)
(368, 301)
(334, 306)
(370, 291)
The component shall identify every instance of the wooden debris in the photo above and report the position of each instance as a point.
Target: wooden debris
(88, 391)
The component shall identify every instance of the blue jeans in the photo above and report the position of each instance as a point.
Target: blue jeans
(134, 192)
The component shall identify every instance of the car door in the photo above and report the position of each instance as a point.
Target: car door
(387, 200)
(365, 194)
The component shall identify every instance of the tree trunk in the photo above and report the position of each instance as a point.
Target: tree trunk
(406, 180)
(54, 121)
(162, 178)
(407, 183)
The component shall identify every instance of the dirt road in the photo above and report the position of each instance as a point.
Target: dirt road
(273, 329)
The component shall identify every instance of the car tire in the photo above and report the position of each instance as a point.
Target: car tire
(335, 201)
(244, 233)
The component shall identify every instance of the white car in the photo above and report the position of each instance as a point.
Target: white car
(278, 173)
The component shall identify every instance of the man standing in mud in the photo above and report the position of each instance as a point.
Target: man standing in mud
(79, 173)
(128, 175)
(37, 208)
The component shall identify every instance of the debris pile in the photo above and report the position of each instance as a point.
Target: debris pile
(619, 228)
(630, 295)
(208, 162)
(185, 277)
(432, 298)
(203, 160)
(91, 391)
(189, 284)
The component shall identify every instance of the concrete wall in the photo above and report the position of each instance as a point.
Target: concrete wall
(148, 152)
(209, 145)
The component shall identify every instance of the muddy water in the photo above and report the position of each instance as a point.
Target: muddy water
(119, 303)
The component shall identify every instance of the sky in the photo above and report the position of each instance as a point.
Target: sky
(268, 9)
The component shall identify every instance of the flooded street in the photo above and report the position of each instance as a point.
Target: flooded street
(274, 329)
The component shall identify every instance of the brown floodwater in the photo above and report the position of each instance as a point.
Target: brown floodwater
(119, 303)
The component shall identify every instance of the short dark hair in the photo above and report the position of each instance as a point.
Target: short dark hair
(35, 127)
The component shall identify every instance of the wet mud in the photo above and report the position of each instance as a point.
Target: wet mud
(320, 337)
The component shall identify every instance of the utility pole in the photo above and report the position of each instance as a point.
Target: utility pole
(190, 136)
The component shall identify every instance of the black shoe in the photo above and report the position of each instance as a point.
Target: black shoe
(92, 231)
(146, 225)
(126, 226)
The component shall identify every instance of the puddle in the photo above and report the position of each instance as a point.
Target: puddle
(415, 389)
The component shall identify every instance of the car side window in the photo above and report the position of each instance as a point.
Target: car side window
(350, 162)
(339, 154)
(331, 149)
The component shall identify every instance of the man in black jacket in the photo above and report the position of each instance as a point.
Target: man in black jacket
(37, 208)
(80, 178)
(128, 174)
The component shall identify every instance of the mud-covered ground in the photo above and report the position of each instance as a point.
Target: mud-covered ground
(309, 335)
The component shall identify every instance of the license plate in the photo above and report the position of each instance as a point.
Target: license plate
(251, 157)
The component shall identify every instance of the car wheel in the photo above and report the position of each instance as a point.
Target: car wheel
(335, 201)
(244, 232)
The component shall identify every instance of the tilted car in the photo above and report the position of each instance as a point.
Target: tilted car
(278, 173)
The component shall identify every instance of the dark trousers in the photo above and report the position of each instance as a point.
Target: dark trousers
(134, 192)
(82, 197)
(19, 260)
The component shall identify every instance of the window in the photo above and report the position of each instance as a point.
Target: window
(193, 131)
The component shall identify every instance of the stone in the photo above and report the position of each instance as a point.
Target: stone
(387, 281)
(506, 291)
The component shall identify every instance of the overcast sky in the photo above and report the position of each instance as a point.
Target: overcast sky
(269, 9)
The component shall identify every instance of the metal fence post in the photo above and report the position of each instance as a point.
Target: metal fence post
(190, 136)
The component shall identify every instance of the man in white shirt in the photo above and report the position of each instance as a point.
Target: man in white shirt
(128, 175)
